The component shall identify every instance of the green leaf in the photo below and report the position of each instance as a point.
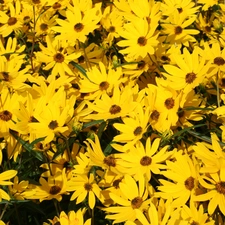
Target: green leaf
(80, 68)
(92, 123)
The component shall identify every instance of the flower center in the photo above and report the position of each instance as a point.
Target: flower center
(114, 109)
(36, 1)
(5, 76)
(169, 103)
(219, 61)
(142, 41)
(141, 65)
(12, 21)
(112, 29)
(180, 10)
(103, 85)
(138, 131)
(44, 26)
(78, 27)
(88, 187)
(53, 124)
(110, 161)
(155, 115)
(189, 183)
(220, 187)
(208, 29)
(136, 202)
(178, 30)
(5, 115)
(190, 77)
(58, 57)
(56, 5)
(54, 190)
(145, 161)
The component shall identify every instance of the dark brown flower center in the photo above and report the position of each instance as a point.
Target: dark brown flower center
(219, 61)
(36, 1)
(169, 103)
(207, 29)
(190, 77)
(5, 76)
(178, 30)
(44, 26)
(155, 115)
(112, 29)
(114, 109)
(53, 124)
(141, 65)
(12, 21)
(116, 183)
(103, 85)
(138, 131)
(5, 115)
(220, 187)
(180, 10)
(136, 202)
(189, 183)
(110, 161)
(88, 187)
(142, 41)
(146, 161)
(58, 57)
(54, 190)
(56, 5)
(78, 27)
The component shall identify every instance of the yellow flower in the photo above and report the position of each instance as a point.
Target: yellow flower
(100, 80)
(119, 105)
(11, 22)
(214, 183)
(141, 161)
(132, 128)
(140, 39)
(190, 71)
(72, 218)
(134, 199)
(183, 180)
(4, 177)
(53, 188)
(56, 57)
(83, 187)
(77, 25)
(212, 156)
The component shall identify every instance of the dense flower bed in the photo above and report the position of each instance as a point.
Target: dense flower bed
(112, 112)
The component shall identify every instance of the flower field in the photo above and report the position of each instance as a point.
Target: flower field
(112, 112)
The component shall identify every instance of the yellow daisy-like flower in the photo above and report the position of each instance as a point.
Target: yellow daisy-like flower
(134, 199)
(72, 218)
(190, 71)
(53, 188)
(77, 25)
(132, 128)
(56, 57)
(119, 105)
(140, 39)
(4, 177)
(141, 161)
(11, 22)
(215, 185)
(84, 187)
(183, 180)
(100, 80)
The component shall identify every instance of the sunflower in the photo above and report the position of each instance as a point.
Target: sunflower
(11, 22)
(183, 180)
(56, 57)
(78, 24)
(133, 200)
(189, 72)
(84, 186)
(132, 128)
(214, 183)
(140, 161)
(119, 105)
(100, 80)
(140, 39)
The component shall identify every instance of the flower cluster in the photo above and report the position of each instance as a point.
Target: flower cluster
(112, 112)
